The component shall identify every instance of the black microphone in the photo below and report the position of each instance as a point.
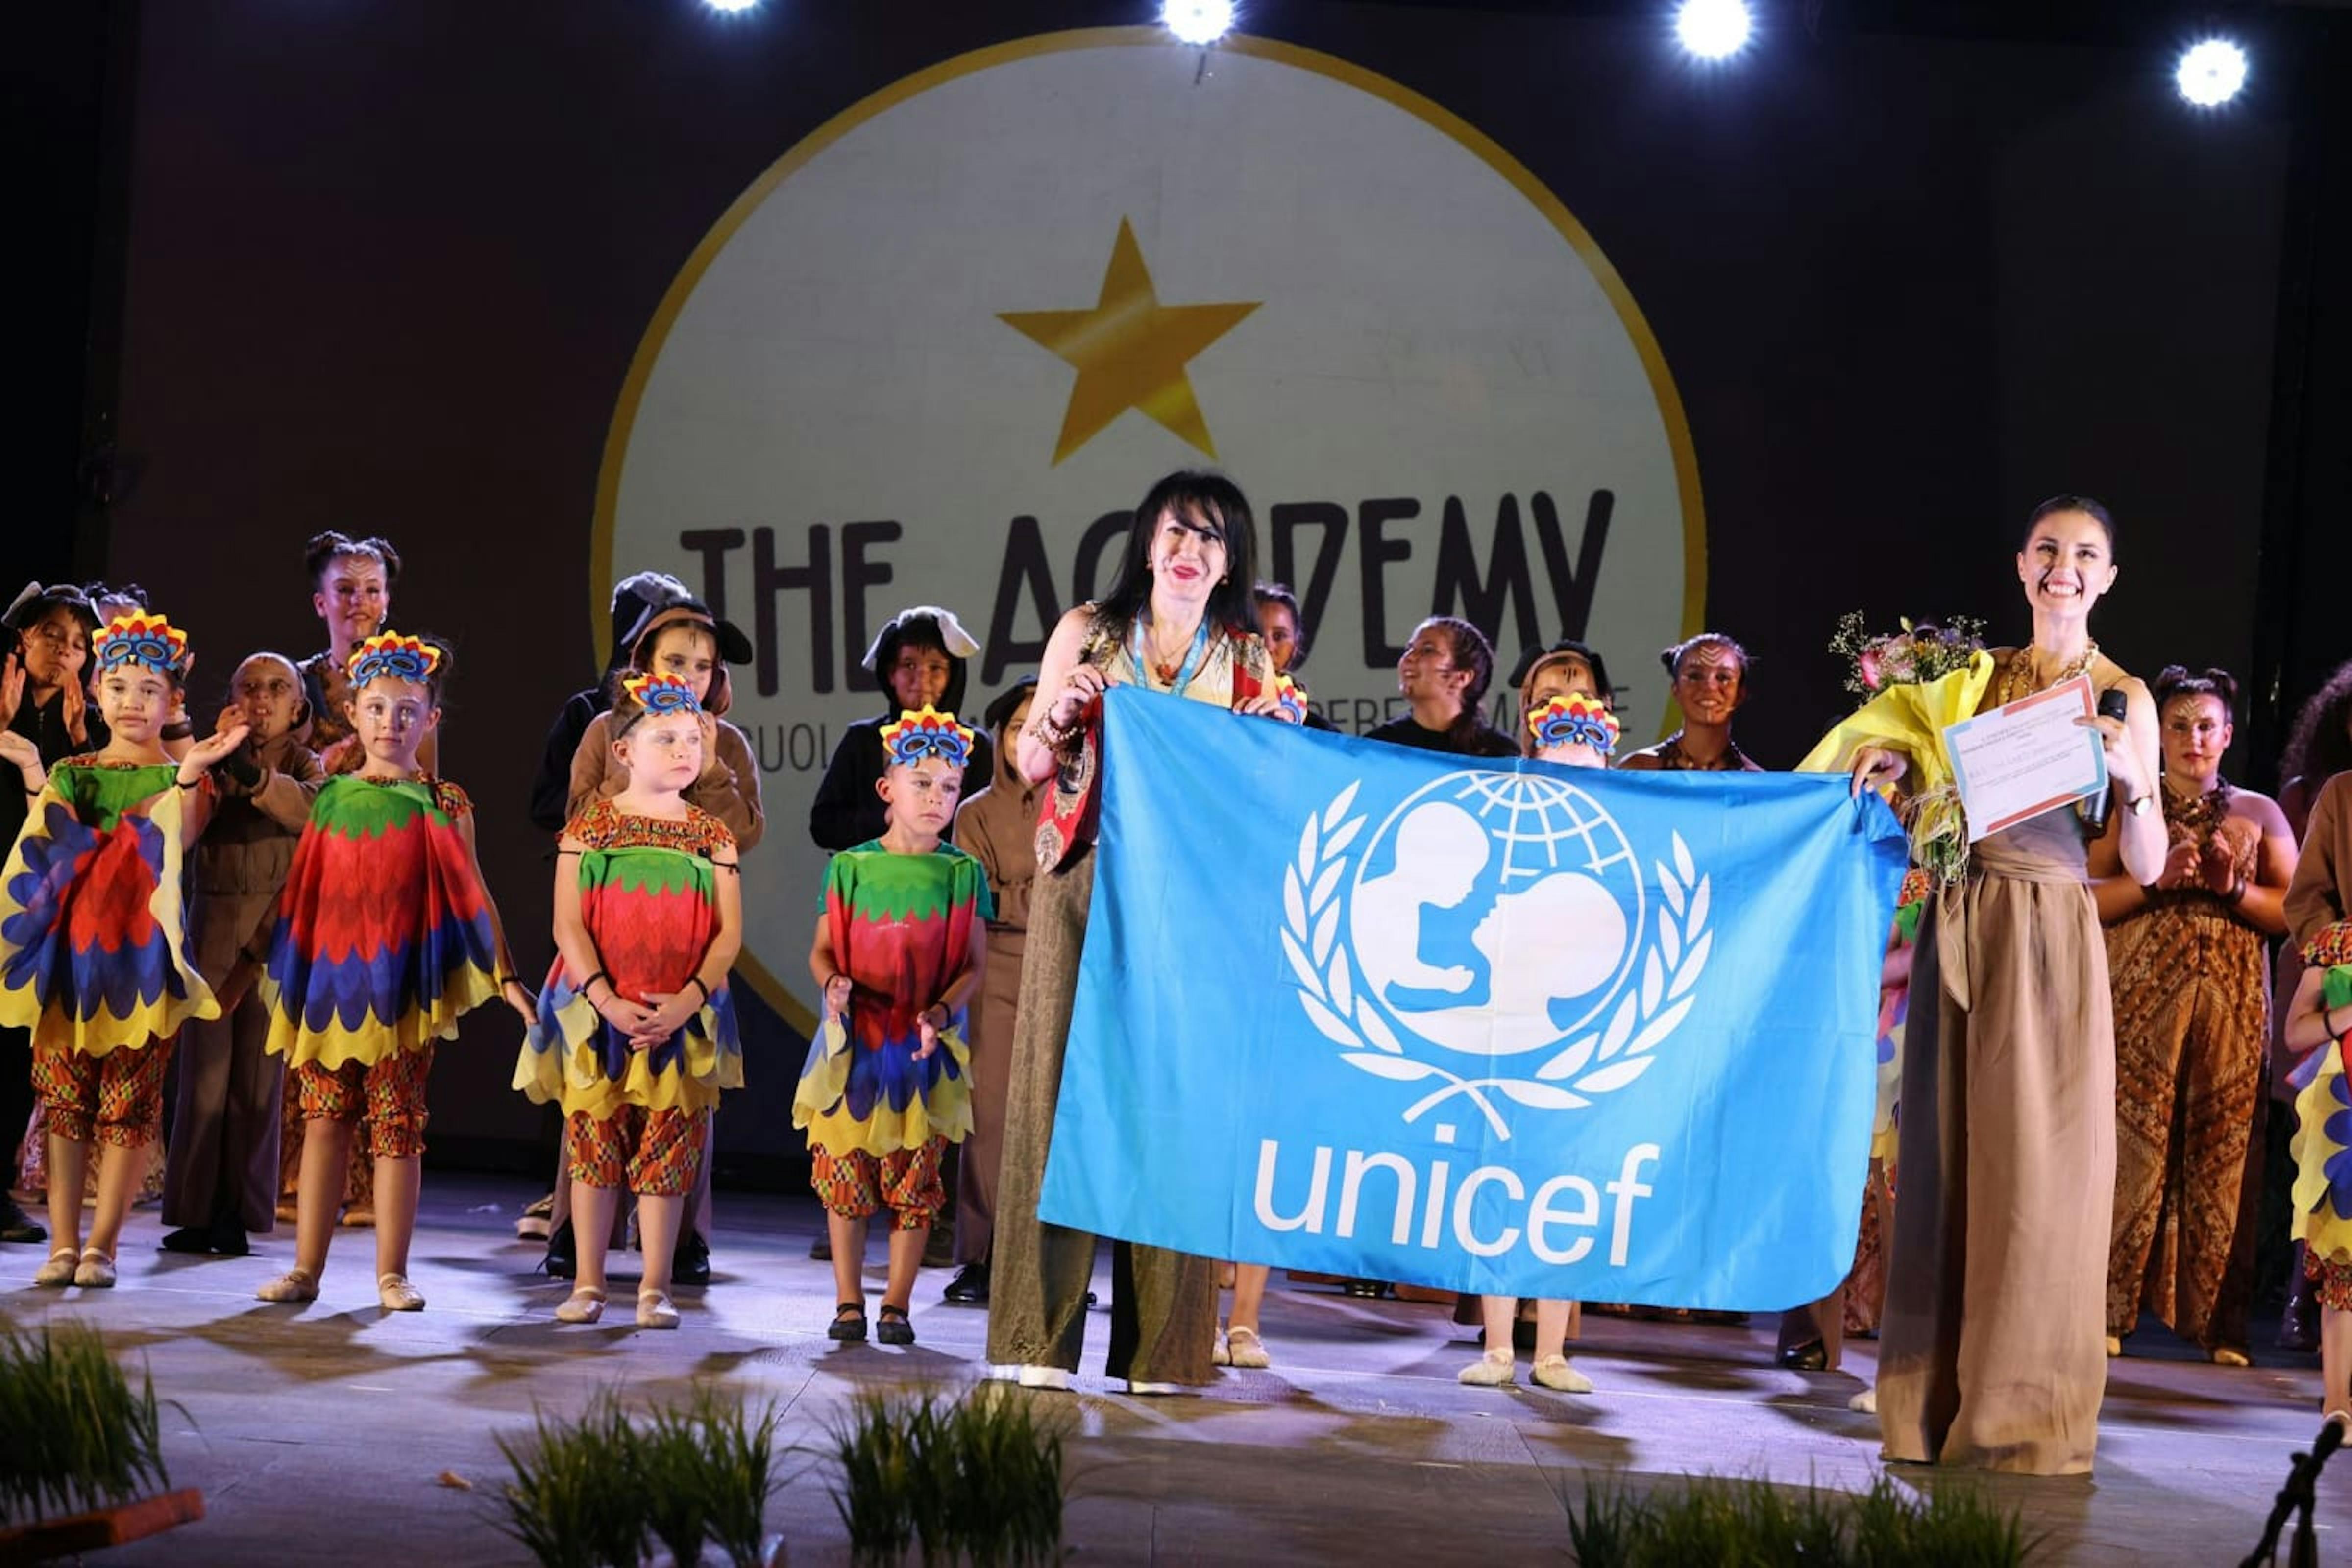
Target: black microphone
(2113, 703)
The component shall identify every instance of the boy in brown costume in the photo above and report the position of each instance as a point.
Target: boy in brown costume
(220, 1176)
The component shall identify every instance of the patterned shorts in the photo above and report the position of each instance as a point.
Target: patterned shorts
(118, 1096)
(2333, 1278)
(905, 1181)
(388, 1096)
(654, 1153)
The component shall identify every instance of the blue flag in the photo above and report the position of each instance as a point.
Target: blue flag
(1499, 1027)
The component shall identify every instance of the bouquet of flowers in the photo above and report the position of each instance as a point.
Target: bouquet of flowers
(1912, 656)
(1914, 682)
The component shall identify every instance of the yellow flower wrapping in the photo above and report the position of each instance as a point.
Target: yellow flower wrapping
(1912, 719)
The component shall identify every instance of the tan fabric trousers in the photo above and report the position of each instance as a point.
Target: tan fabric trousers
(1992, 1351)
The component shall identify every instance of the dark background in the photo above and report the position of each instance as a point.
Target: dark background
(380, 264)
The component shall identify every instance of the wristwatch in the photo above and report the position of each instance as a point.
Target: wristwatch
(2142, 806)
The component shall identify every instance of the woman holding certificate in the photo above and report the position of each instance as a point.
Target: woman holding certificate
(1992, 1349)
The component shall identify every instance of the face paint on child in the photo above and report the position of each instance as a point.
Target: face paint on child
(134, 701)
(663, 752)
(922, 795)
(686, 653)
(267, 695)
(391, 718)
(55, 647)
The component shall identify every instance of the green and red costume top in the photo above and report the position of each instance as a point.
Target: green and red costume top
(648, 897)
(901, 928)
(384, 933)
(93, 919)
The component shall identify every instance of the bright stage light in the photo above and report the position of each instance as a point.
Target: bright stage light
(1712, 29)
(2212, 72)
(1198, 21)
(731, 5)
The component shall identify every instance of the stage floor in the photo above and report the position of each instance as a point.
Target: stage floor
(324, 1430)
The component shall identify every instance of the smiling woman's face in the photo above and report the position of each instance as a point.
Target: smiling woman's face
(2067, 563)
(1187, 556)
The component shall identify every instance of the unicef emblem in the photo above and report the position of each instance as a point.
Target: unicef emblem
(1493, 917)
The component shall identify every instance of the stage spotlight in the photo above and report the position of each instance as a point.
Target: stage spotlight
(1198, 21)
(2212, 72)
(731, 5)
(1712, 29)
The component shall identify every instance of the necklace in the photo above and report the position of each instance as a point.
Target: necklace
(1174, 677)
(2017, 673)
(1672, 756)
(2199, 814)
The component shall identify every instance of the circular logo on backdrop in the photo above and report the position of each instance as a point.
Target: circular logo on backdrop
(937, 353)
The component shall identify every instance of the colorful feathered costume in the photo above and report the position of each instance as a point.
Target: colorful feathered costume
(2323, 1132)
(902, 926)
(94, 955)
(385, 935)
(93, 939)
(648, 900)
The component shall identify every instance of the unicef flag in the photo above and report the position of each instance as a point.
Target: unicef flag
(1505, 1027)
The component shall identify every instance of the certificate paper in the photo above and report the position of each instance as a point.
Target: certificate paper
(2026, 759)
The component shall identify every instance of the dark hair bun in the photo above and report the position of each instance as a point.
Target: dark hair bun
(2179, 681)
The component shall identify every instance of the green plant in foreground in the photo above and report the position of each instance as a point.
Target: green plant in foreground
(976, 1478)
(571, 1503)
(73, 1436)
(1752, 1523)
(595, 1489)
(666, 1458)
(736, 1470)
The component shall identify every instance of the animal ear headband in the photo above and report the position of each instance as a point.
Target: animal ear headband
(1575, 719)
(926, 732)
(142, 639)
(389, 656)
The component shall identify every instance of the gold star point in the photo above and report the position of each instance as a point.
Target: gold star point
(1129, 351)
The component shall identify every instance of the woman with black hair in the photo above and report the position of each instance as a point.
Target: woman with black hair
(1443, 676)
(1179, 619)
(2318, 748)
(919, 657)
(2184, 954)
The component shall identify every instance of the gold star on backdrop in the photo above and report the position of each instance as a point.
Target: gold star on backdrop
(1129, 351)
